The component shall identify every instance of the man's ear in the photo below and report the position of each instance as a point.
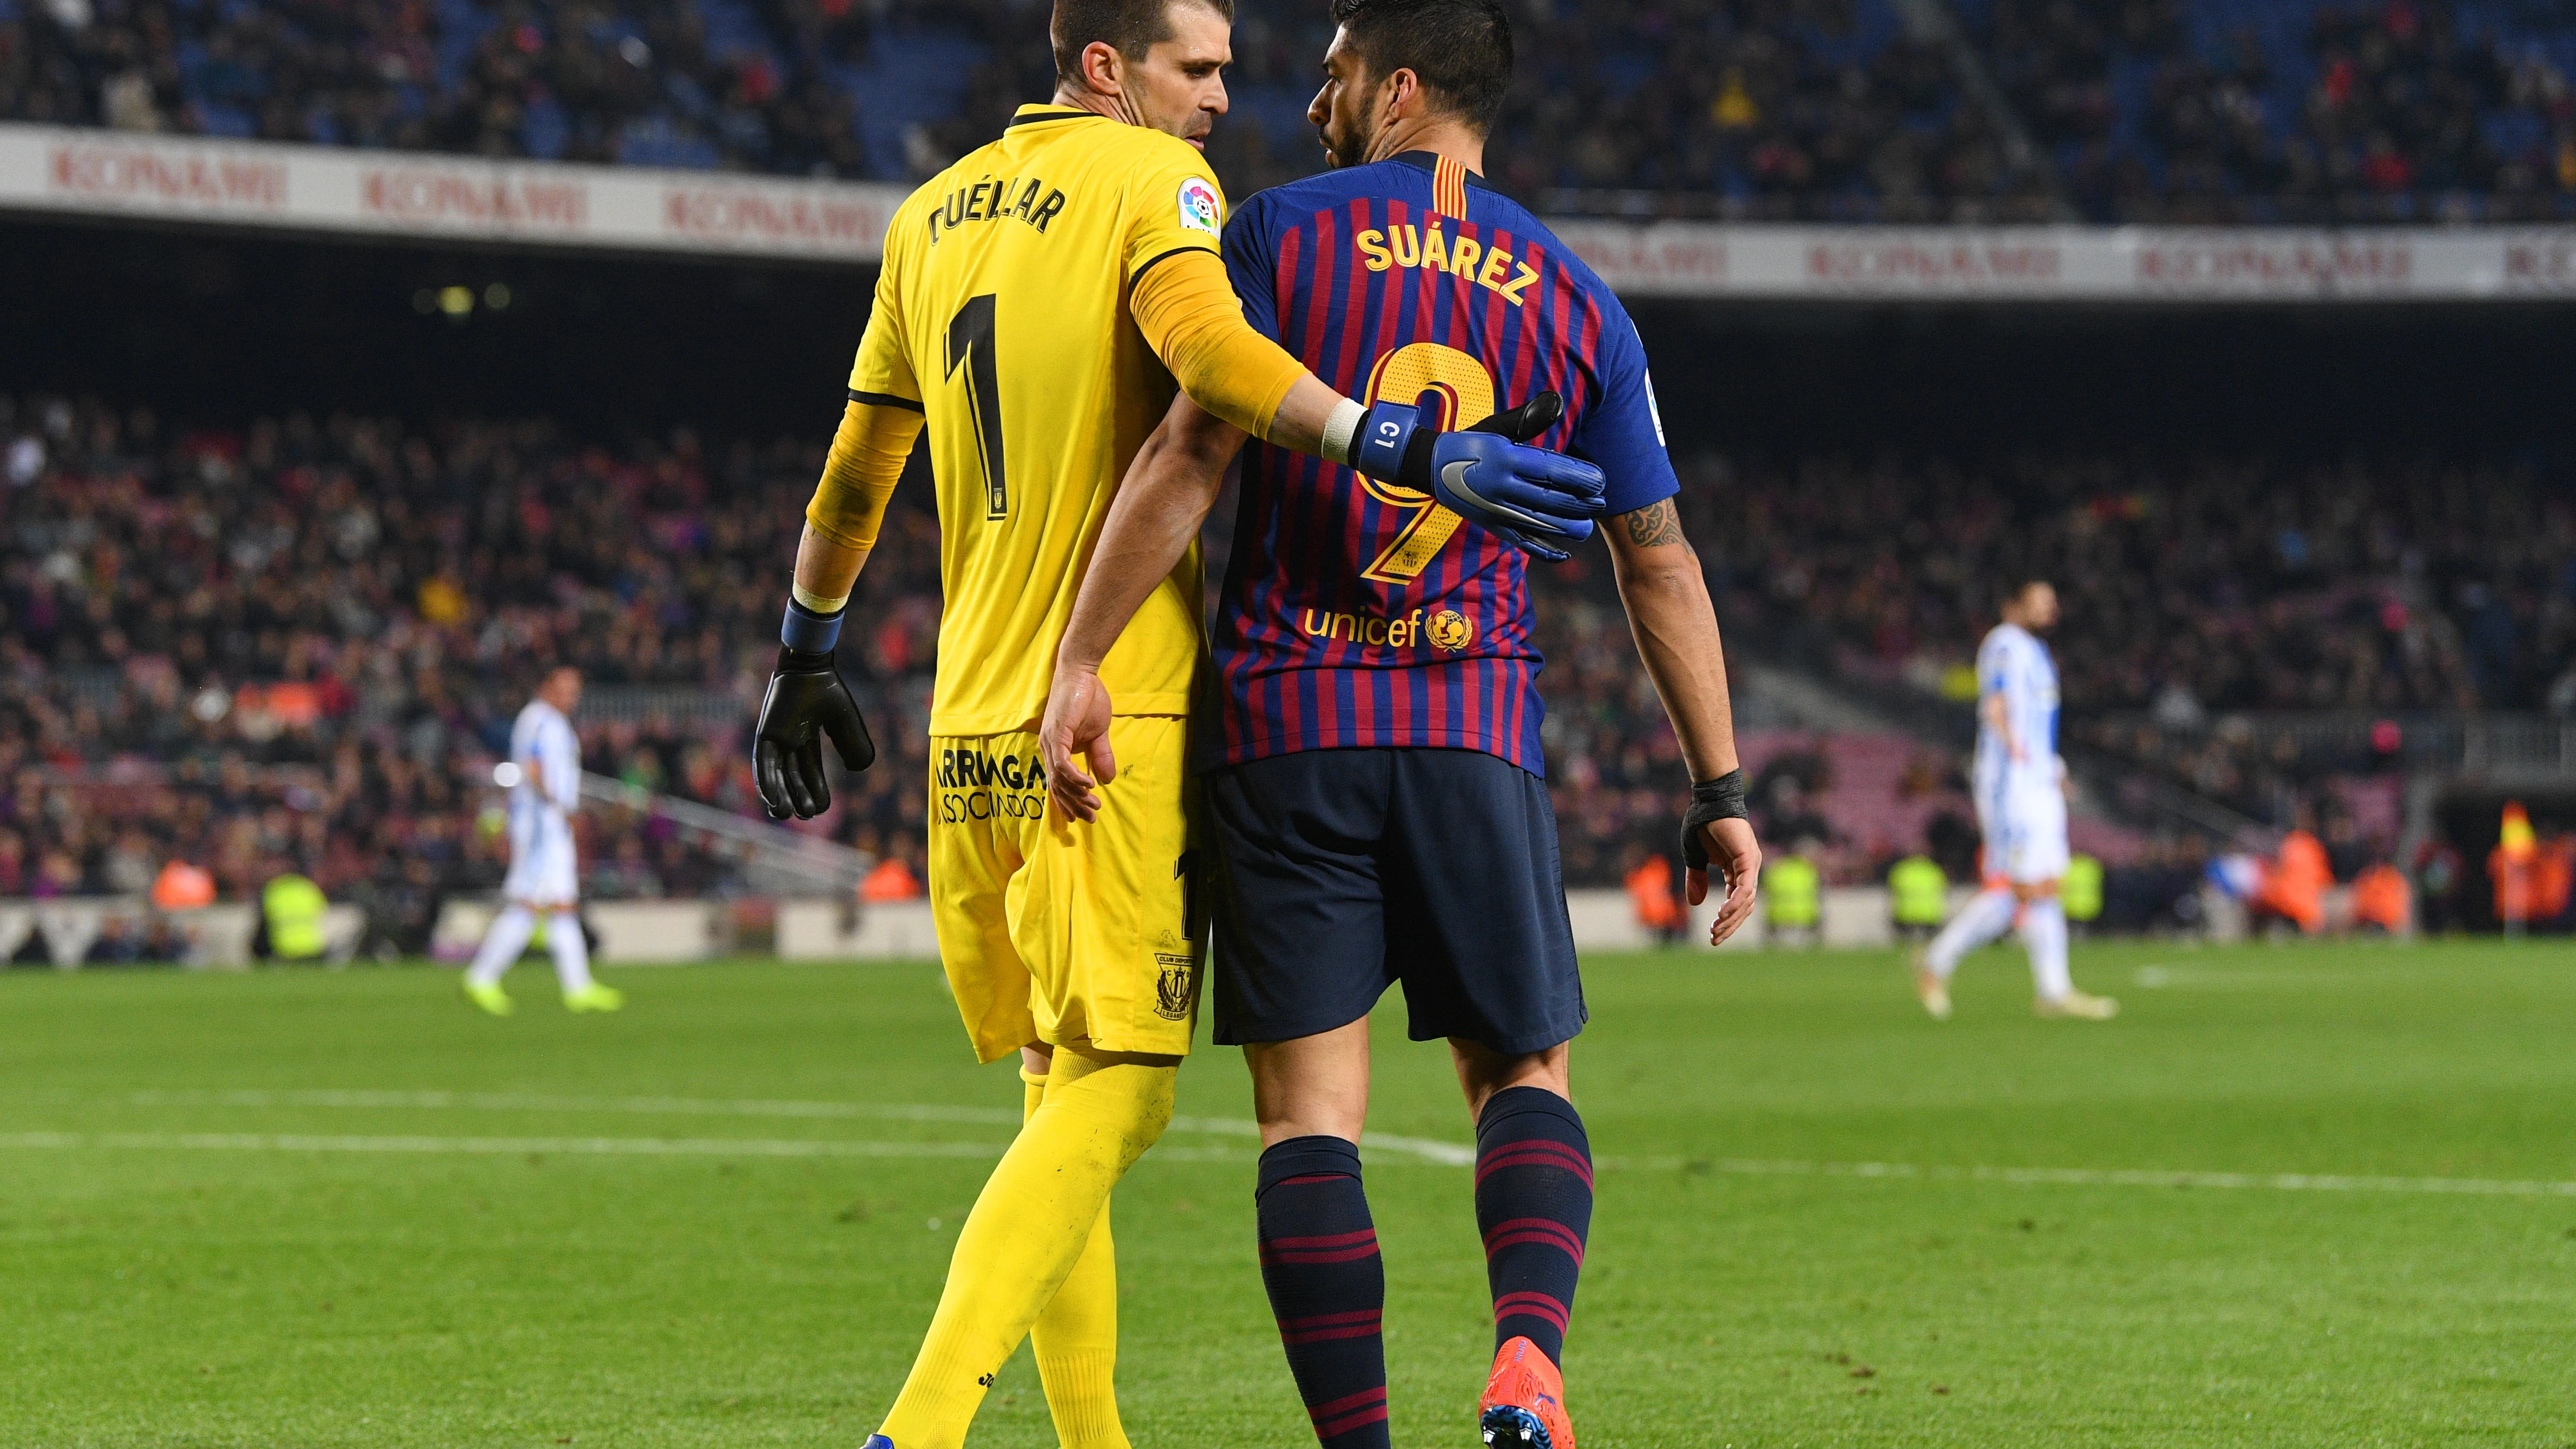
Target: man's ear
(1403, 94)
(1102, 66)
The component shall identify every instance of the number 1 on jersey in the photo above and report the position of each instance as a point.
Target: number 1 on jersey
(970, 341)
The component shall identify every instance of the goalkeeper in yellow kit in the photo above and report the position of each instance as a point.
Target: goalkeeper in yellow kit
(1039, 302)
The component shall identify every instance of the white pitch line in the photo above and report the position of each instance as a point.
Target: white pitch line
(800, 1147)
(1446, 1154)
(2159, 978)
(584, 1146)
(539, 1102)
(2109, 1177)
(542, 1146)
(1417, 1149)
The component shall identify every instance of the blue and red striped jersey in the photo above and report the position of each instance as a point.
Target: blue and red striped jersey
(1356, 613)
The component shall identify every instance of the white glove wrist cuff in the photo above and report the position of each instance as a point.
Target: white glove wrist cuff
(817, 602)
(1341, 428)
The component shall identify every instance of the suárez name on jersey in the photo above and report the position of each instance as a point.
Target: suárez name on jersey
(992, 200)
(1433, 249)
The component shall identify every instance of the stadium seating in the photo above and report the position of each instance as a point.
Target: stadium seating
(228, 602)
(302, 641)
(2378, 587)
(2142, 110)
(2296, 110)
(2447, 573)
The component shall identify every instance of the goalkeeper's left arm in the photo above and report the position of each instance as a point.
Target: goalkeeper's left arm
(1187, 310)
(807, 700)
(849, 504)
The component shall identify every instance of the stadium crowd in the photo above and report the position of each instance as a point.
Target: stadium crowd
(2141, 110)
(2190, 587)
(300, 643)
(2378, 587)
(2293, 110)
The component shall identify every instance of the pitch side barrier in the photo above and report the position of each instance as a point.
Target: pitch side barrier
(421, 196)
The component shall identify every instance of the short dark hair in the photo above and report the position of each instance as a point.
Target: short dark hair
(1130, 27)
(1462, 49)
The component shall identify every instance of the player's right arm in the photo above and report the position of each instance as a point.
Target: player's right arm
(1675, 625)
(1665, 592)
(1160, 508)
(1994, 672)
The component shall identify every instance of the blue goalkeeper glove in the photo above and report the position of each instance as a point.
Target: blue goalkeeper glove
(1535, 498)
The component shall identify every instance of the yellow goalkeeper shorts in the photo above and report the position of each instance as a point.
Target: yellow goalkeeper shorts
(1057, 931)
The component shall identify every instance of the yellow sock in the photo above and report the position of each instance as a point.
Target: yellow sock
(1076, 1336)
(1032, 1223)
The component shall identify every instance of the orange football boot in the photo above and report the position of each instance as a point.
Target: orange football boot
(1524, 1406)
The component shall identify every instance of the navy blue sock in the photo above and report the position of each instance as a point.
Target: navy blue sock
(1534, 1207)
(1327, 1285)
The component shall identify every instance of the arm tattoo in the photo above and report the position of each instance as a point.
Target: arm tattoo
(1654, 524)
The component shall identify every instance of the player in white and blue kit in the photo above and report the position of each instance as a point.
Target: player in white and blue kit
(2020, 787)
(544, 777)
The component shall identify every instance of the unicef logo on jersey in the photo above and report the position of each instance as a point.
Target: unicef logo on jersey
(1452, 630)
(1200, 208)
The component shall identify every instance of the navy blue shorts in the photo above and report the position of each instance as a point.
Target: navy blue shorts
(1343, 872)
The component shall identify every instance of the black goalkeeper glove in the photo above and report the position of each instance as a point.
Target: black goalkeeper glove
(1527, 421)
(1711, 801)
(806, 701)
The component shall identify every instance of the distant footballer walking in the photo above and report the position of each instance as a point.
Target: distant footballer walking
(544, 877)
(2020, 787)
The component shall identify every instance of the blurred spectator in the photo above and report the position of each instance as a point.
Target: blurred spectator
(182, 886)
(2440, 875)
(118, 943)
(2383, 901)
(2294, 884)
(1918, 897)
(892, 880)
(1649, 883)
(1793, 896)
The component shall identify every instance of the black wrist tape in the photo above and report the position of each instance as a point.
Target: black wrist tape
(1711, 800)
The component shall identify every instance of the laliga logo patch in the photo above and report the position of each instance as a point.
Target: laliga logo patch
(1199, 206)
(1452, 630)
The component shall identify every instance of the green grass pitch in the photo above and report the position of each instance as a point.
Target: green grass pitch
(310, 1208)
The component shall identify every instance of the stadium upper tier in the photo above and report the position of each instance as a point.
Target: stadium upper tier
(1811, 110)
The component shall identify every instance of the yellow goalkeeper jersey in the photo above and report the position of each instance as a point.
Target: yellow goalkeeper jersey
(1002, 314)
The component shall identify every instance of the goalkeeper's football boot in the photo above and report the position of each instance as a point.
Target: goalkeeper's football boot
(1931, 989)
(2076, 1006)
(1524, 1405)
(594, 997)
(878, 1441)
(491, 998)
